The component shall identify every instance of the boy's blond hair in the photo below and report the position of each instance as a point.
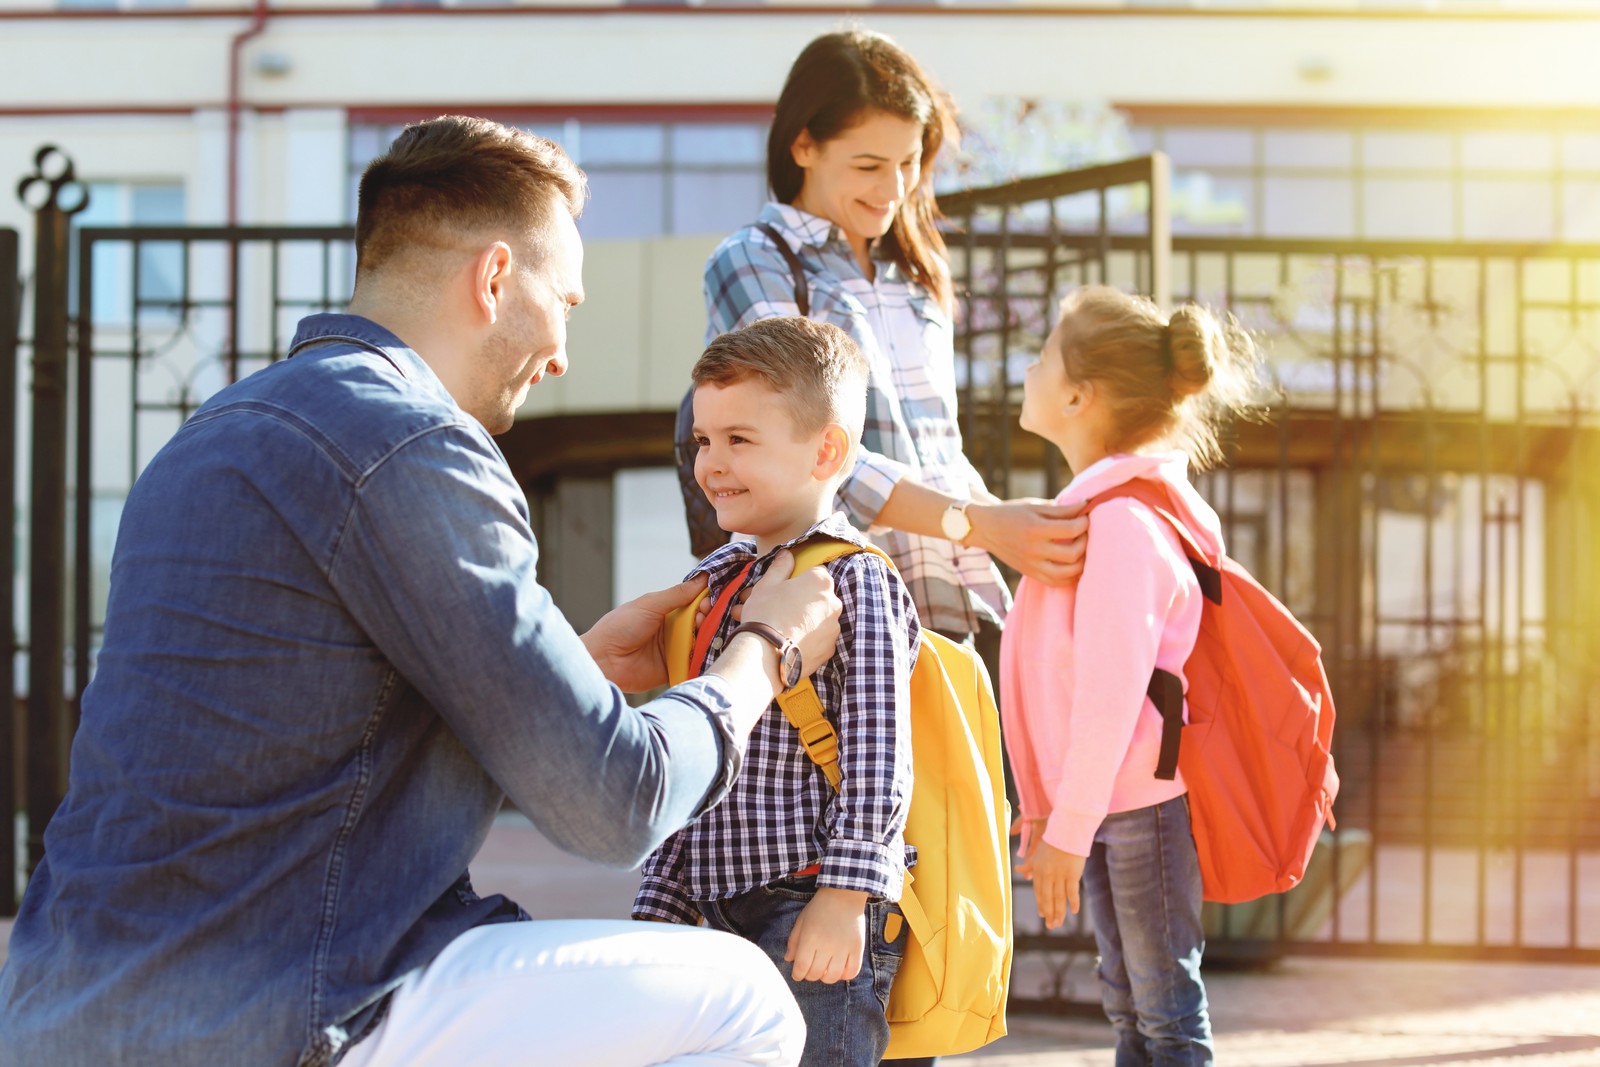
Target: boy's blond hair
(815, 367)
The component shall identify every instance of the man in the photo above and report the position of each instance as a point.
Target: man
(326, 661)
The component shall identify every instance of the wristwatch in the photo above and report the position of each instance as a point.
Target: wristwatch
(954, 522)
(789, 666)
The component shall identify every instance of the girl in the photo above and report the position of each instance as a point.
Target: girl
(1126, 394)
(850, 237)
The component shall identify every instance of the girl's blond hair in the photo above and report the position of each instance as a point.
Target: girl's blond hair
(1169, 380)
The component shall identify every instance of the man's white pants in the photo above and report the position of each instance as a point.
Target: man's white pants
(589, 993)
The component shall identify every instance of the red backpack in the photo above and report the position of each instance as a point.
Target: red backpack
(1255, 752)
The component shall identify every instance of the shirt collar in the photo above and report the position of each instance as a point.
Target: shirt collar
(362, 332)
(836, 526)
(805, 230)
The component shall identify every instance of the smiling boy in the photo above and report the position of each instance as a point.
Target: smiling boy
(809, 875)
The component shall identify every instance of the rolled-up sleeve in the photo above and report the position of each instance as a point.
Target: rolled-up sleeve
(866, 492)
(437, 564)
(870, 688)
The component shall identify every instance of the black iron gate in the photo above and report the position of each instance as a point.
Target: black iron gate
(149, 323)
(1424, 498)
(167, 316)
(10, 327)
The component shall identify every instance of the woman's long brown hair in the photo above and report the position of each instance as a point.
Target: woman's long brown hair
(834, 82)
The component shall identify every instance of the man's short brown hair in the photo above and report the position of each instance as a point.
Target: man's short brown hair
(814, 366)
(454, 176)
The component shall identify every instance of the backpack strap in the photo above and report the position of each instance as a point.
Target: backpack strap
(1166, 689)
(800, 705)
(1166, 693)
(801, 290)
(719, 608)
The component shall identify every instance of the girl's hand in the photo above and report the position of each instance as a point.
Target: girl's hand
(1056, 876)
(1028, 832)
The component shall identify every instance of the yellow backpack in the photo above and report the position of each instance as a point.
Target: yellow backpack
(949, 996)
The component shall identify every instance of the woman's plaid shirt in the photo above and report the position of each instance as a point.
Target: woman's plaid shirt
(911, 428)
(781, 814)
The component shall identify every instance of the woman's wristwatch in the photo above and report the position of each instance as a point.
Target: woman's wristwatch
(954, 523)
(789, 666)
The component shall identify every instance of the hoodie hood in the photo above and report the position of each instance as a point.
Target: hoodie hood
(1170, 470)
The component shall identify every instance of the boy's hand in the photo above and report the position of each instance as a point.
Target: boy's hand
(830, 936)
(1056, 876)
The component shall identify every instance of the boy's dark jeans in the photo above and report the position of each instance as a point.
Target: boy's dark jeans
(845, 1021)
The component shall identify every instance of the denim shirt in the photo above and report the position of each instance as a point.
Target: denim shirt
(326, 660)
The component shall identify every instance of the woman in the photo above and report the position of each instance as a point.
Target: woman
(849, 238)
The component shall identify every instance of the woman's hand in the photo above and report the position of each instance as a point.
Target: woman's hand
(1039, 538)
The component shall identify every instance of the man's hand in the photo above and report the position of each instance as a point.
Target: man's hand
(1056, 876)
(830, 936)
(1039, 538)
(802, 607)
(628, 641)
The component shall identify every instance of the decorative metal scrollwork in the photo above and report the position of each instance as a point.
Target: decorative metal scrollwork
(53, 184)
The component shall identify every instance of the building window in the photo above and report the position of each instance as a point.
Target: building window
(1383, 184)
(159, 268)
(646, 179)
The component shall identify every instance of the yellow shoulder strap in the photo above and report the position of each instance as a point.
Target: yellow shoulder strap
(679, 640)
(801, 705)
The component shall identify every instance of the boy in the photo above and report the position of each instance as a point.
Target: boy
(809, 875)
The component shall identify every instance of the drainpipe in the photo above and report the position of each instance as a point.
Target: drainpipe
(258, 23)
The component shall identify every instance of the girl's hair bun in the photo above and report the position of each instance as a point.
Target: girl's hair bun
(1195, 347)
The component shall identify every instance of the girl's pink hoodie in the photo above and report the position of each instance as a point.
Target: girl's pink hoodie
(1075, 661)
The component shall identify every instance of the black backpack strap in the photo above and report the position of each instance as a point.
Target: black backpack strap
(1166, 693)
(801, 292)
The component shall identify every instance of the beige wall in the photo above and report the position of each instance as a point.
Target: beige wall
(639, 330)
(531, 58)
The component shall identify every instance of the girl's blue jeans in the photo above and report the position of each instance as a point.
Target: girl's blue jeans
(1141, 887)
(846, 1025)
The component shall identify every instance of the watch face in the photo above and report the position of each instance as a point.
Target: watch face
(955, 524)
(790, 662)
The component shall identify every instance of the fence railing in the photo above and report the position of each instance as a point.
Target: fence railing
(1423, 498)
(10, 776)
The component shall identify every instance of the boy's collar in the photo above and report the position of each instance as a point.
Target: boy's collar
(835, 525)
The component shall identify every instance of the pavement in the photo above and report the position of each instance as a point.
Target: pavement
(1302, 1012)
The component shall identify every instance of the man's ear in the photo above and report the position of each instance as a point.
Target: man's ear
(833, 453)
(491, 270)
(803, 150)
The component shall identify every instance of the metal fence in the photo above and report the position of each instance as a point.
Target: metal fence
(148, 323)
(10, 327)
(1423, 496)
(168, 315)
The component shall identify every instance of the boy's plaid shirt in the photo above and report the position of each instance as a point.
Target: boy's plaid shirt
(781, 814)
(911, 428)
